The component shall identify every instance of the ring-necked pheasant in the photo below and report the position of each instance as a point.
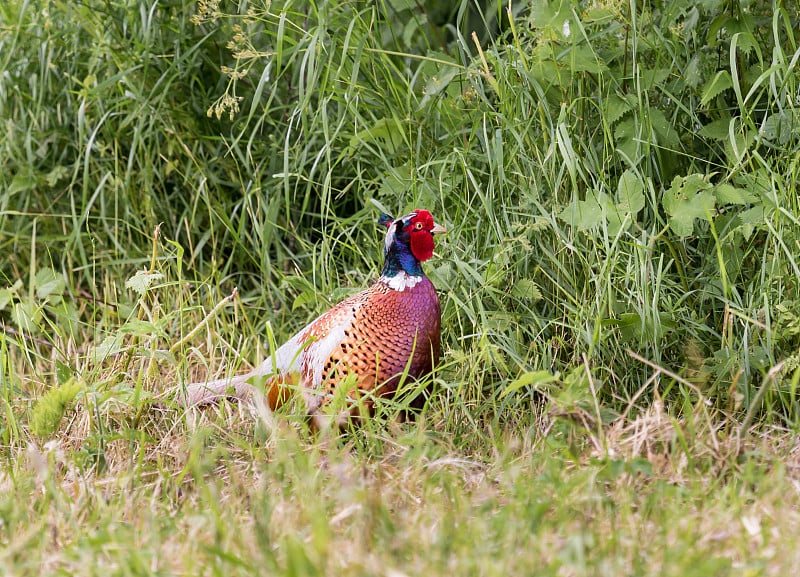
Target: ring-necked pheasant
(389, 329)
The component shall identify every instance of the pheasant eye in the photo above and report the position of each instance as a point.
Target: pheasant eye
(418, 226)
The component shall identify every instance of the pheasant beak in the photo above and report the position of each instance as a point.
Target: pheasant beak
(438, 229)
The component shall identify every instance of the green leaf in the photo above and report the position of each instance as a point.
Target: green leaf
(628, 140)
(525, 288)
(530, 379)
(688, 198)
(142, 281)
(667, 135)
(781, 127)
(751, 220)
(48, 282)
(305, 297)
(615, 107)
(634, 327)
(729, 194)
(25, 315)
(55, 175)
(5, 297)
(582, 214)
(386, 131)
(716, 130)
(111, 345)
(653, 78)
(584, 59)
(722, 81)
(21, 183)
(437, 83)
(630, 193)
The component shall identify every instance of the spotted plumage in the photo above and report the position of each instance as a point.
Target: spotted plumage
(390, 329)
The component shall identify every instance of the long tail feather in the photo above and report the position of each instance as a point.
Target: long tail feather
(198, 394)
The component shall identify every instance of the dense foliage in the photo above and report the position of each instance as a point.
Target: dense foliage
(615, 177)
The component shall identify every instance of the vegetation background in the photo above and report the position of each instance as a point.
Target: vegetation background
(185, 184)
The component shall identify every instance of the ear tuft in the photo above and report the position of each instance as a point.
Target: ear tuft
(385, 220)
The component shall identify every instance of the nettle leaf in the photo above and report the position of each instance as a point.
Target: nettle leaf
(751, 220)
(717, 129)
(550, 15)
(615, 107)
(584, 59)
(525, 288)
(722, 81)
(9, 293)
(652, 78)
(737, 147)
(111, 345)
(142, 281)
(48, 282)
(729, 194)
(668, 136)
(689, 198)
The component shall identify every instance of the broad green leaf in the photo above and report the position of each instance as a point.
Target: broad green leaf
(438, 83)
(25, 315)
(582, 214)
(729, 194)
(737, 147)
(716, 130)
(630, 193)
(667, 135)
(111, 345)
(525, 288)
(615, 107)
(21, 183)
(583, 59)
(142, 281)
(48, 282)
(387, 131)
(305, 297)
(781, 127)
(550, 15)
(751, 220)
(141, 328)
(634, 327)
(411, 27)
(692, 75)
(652, 78)
(722, 81)
(688, 198)
(628, 140)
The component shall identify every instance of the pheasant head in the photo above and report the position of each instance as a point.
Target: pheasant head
(409, 242)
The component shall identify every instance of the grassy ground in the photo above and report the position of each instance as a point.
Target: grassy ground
(184, 184)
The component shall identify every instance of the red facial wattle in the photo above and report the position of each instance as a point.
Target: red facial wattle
(421, 237)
